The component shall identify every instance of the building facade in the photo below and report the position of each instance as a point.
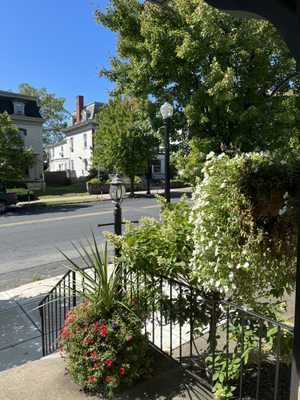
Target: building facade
(74, 154)
(24, 112)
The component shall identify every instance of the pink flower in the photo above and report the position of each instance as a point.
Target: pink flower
(107, 378)
(61, 349)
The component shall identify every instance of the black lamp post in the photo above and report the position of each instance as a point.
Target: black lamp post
(166, 111)
(117, 193)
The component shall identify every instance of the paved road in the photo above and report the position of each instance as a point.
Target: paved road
(30, 238)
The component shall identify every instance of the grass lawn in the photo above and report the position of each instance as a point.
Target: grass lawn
(74, 189)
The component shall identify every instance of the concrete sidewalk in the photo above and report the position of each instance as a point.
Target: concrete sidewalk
(20, 335)
(45, 380)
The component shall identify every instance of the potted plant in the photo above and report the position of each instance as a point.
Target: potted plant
(102, 337)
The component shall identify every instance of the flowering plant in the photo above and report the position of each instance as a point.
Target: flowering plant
(102, 339)
(104, 353)
(237, 252)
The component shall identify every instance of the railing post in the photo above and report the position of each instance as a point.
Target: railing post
(42, 329)
(74, 287)
(295, 376)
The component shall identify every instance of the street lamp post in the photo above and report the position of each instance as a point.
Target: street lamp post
(166, 111)
(117, 193)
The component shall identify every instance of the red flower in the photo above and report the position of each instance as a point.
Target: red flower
(91, 378)
(90, 340)
(61, 349)
(107, 379)
(108, 362)
(94, 354)
(122, 371)
(103, 330)
(77, 328)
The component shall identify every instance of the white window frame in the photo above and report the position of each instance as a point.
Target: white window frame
(19, 108)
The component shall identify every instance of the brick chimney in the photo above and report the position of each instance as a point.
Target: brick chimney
(79, 108)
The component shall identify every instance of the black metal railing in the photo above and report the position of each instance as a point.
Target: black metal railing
(53, 309)
(214, 339)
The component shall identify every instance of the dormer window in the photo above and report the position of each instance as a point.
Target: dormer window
(83, 115)
(19, 108)
(71, 121)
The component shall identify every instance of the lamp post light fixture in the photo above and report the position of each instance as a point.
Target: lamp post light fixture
(166, 111)
(117, 193)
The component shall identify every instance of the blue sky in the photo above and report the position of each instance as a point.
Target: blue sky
(55, 44)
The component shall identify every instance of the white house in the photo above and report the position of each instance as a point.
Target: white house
(74, 154)
(24, 112)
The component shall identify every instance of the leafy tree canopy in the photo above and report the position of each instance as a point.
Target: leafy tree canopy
(125, 139)
(217, 69)
(14, 158)
(52, 110)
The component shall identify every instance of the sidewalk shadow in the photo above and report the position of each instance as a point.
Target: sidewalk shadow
(169, 382)
(20, 337)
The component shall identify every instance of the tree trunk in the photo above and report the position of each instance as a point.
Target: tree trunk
(131, 186)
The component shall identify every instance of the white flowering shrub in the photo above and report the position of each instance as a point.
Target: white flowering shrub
(239, 252)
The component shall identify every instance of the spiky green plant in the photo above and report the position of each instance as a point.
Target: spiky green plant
(100, 282)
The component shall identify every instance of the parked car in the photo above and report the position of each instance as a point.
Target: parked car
(6, 199)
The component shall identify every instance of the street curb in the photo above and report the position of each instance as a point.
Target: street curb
(91, 198)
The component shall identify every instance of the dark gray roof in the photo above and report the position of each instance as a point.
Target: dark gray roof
(31, 108)
(93, 108)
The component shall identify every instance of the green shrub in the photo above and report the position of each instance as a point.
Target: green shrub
(94, 181)
(160, 247)
(23, 194)
(177, 183)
